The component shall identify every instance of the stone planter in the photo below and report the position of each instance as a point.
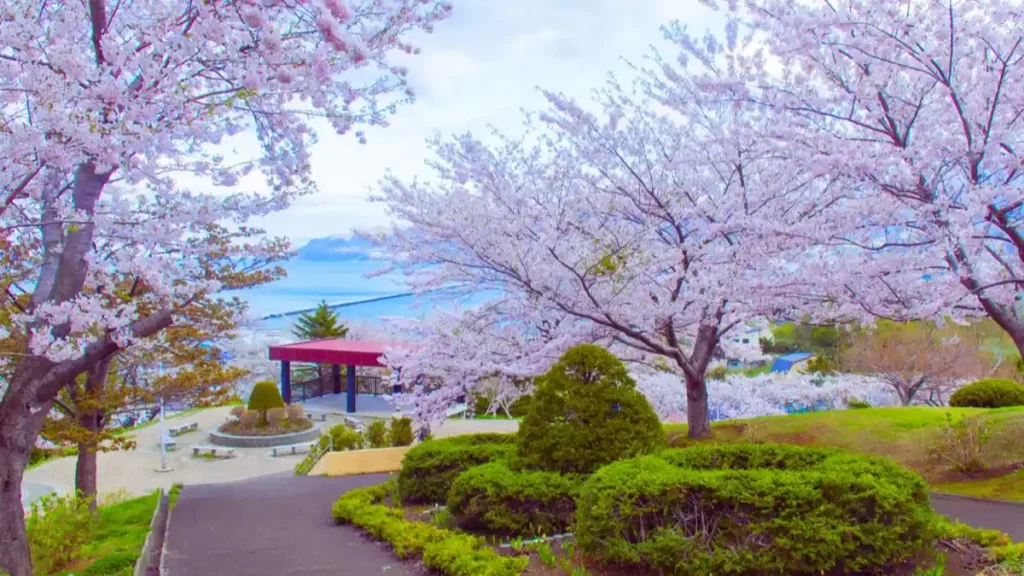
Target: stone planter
(235, 441)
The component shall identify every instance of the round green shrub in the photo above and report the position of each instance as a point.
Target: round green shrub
(401, 432)
(585, 413)
(265, 396)
(754, 509)
(521, 406)
(991, 393)
(377, 434)
(340, 438)
(429, 469)
(494, 498)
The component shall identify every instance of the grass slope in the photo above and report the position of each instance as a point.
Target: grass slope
(118, 537)
(902, 434)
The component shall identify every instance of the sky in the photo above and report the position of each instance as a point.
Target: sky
(479, 68)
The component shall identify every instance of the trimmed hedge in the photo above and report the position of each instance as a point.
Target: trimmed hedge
(442, 550)
(429, 469)
(754, 509)
(401, 432)
(340, 438)
(264, 396)
(990, 393)
(496, 499)
(585, 413)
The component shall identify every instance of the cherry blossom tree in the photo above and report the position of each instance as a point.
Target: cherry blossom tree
(456, 351)
(914, 110)
(116, 116)
(656, 221)
(738, 397)
(915, 358)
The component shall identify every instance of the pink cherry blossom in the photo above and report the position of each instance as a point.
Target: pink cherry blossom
(116, 117)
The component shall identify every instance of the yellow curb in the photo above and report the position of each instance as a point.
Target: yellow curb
(360, 462)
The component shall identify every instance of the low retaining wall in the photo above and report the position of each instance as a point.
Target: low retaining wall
(150, 556)
(235, 441)
(351, 462)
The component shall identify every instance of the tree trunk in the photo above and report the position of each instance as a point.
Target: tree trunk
(699, 425)
(85, 473)
(90, 418)
(14, 552)
(19, 428)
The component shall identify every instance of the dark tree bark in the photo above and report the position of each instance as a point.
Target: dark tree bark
(85, 472)
(694, 369)
(698, 423)
(91, 418)
(21, 419)
(30, 396)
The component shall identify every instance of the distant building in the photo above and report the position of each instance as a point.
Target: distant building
(797, 360)
(743, 346)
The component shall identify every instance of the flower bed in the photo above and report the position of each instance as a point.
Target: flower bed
(266, 440)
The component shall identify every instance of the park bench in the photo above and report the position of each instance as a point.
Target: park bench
(353, 424)
(215, 451)
(170, 443)
(184, 428)
(314, 416)
(292, 449)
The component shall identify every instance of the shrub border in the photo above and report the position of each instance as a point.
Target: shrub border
(446, 551)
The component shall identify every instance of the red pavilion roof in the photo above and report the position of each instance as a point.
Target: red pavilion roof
(332, 351)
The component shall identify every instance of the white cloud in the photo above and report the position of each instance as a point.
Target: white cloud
(480, 68)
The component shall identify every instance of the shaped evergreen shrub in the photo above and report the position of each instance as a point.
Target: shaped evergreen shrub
(429, 469)
(265, 396)
(760, 509)
(275, 416)
(296, 412)
(990, 393)
(401, 432)
(340, 438)
(377, 434)
(585, 413)
(494, 498)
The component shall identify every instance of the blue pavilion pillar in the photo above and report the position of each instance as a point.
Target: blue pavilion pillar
(286, 382)
(336, 378)
(350, 389)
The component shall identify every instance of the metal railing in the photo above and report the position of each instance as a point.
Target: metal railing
(316, 387)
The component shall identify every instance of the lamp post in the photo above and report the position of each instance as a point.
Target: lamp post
(163, 431)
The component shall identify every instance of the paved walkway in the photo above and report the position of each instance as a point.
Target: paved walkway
(1007, 517)
(272, 526)
(135, 470)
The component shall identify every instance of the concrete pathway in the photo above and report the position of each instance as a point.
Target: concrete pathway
(1007, 517)
(135, 470)
(272, 526)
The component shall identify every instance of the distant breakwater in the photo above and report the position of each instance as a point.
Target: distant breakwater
(338, 305)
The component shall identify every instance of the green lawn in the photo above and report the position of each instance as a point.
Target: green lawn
(171, 419)
(902, 434)
(118, 538)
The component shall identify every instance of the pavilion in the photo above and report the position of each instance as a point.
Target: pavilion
(336, 353)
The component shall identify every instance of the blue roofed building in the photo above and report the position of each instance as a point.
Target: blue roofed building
(784, 364)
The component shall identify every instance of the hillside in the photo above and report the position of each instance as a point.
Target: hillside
(902, 434)
(338, 249)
